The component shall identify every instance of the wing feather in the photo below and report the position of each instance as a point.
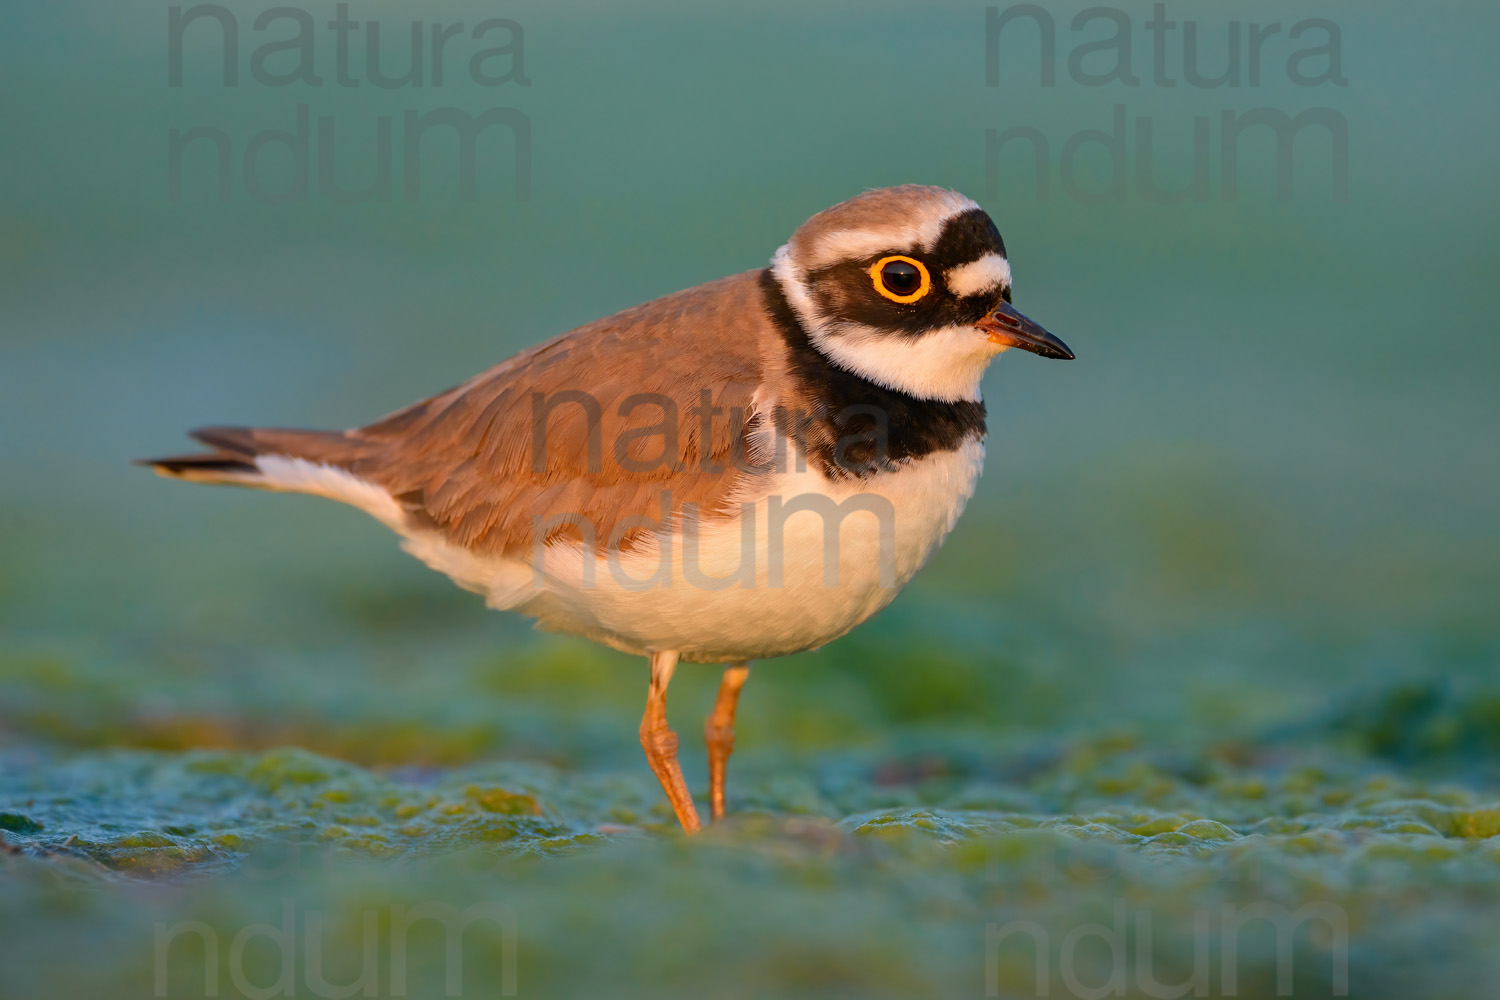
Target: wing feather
(600, 425)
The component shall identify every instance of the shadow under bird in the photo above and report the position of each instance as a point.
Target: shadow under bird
(741, 470)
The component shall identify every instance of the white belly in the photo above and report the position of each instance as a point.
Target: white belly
(803, 563)
(799, 566)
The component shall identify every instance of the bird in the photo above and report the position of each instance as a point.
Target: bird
(742, 470)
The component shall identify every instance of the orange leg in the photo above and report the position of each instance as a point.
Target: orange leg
(718, 732)
(660, 743)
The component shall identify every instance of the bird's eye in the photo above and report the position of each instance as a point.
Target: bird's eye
(900, 279)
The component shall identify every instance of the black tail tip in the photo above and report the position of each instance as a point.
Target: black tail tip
(187, 465)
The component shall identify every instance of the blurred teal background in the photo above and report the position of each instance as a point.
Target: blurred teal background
(1248, 540)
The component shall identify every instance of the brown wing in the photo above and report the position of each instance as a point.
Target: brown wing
(584, 433)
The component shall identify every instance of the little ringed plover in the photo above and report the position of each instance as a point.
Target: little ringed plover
(741, 470)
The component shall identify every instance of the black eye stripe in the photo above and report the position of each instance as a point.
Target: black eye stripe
(843, 290)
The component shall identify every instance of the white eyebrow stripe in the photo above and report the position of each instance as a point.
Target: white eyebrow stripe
(986, 274)
(853, 244)
(920, 230)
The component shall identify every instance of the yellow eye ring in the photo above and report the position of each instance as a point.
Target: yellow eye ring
(922, 289)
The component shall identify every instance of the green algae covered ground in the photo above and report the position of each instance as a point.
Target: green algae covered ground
(1355, 853)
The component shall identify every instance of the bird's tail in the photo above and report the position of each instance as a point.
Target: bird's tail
(339, 465)
(240, 456)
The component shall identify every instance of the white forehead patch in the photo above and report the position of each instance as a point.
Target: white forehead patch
(987, 274)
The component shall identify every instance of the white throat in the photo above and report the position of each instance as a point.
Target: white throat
(947, 363)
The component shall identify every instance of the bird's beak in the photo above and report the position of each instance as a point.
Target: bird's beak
(1009, 328)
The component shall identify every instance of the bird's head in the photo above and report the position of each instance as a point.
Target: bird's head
(910, 288)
